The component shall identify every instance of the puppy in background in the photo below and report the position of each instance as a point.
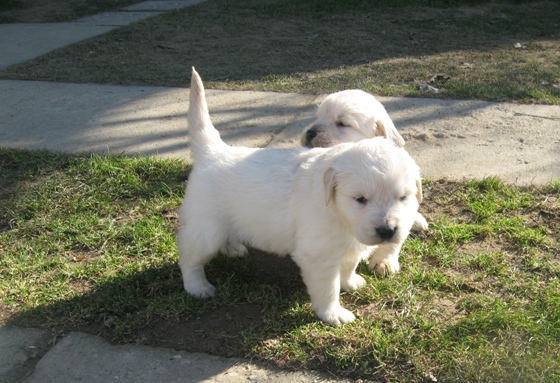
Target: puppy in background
(350, 116)
(326, 207)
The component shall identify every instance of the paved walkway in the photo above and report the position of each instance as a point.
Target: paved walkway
(21, 42)
(448, 138)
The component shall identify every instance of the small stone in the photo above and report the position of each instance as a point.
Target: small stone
(32, 350)
(428, 88)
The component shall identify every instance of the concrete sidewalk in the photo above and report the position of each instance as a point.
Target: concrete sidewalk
(21, 42)
(451, 139)
(28, 356)
(448, 138)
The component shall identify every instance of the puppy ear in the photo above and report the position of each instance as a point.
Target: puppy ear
(329, 181)
(419, 195)
(389, 132)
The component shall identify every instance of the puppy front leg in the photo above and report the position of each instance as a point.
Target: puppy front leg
(349, 279)
(323, 285)
(385, 259)
(420, 223)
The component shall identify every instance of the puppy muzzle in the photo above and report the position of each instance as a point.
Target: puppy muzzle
(315, 137)
(309, 136)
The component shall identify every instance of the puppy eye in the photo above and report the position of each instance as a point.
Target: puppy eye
(361, 200)
(403, 198)
(340, 124)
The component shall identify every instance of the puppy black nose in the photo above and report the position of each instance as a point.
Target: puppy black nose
(310, 135)
(385, 232)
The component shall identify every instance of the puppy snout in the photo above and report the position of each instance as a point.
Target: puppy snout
(309, 136)
(385, 232)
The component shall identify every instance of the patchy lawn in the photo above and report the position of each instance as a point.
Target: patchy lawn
(88, 243)
(506, 51)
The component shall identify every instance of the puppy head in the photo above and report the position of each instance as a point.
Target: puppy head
(375, 188)
(350, 116)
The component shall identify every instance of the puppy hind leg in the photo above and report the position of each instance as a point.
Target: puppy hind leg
(234, 249)
(194, 253)
(322, 280)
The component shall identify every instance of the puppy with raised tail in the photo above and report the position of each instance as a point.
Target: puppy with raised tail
(325, 207)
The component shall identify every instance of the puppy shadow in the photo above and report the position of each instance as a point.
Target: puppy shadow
(254, 293)
(258, 267)
(147, 304)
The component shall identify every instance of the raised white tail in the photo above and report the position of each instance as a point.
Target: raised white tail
(203, 134)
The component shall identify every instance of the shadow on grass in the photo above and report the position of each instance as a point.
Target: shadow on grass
(124, 283)
(150, 307)
(138, 298)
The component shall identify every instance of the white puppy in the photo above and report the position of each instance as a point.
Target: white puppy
(326, 207)
(349, 116)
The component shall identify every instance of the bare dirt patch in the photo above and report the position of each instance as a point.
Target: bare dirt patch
(219, 332)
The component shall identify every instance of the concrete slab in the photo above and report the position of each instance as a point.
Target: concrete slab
(162, 5)
(458, 139)
(20, 350)
(448, 138)
(133, 120)
(22, 42)
(85, 358)
(290, 136)
(468, 139)
(116, 18)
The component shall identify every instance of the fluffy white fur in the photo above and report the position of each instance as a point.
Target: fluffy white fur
(326, 207)
(349, 116)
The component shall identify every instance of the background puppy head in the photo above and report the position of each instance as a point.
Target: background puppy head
(350, 116)
(375, 187)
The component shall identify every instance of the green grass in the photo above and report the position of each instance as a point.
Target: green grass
(464, 49)
(88, 242)
(7, 5)
(92, 7)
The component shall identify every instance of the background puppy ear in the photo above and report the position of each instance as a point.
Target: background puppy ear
(329, 181)
(389, 132)
(419, 195)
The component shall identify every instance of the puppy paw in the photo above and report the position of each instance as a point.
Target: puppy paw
(353, 283)
(384, 267)
(335, 315)
(234, 250)
(420, 223)
(200, 289)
